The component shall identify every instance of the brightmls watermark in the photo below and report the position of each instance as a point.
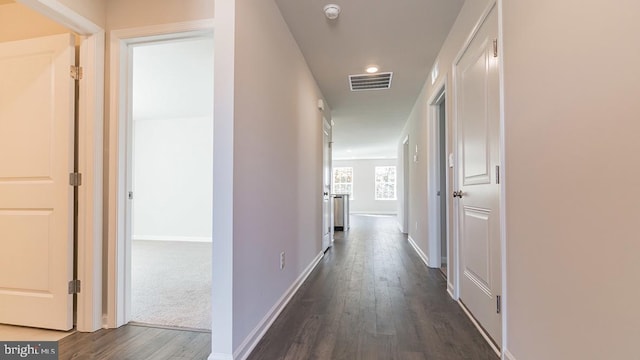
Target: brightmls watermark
(30, 350)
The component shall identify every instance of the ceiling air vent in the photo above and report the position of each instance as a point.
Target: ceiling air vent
(379, 81)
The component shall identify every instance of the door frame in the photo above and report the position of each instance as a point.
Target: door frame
(406, 163)
(497, 4)
(328, 123)
(119, 259)
(439, 95)
(90, 158)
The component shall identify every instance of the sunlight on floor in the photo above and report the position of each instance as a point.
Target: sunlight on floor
(19, 333)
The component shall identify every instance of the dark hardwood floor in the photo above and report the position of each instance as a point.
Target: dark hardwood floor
(132, 342)
(371, 297)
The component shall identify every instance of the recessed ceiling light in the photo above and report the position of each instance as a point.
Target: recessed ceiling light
(372, 69)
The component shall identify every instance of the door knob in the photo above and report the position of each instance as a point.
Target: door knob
(457, 194)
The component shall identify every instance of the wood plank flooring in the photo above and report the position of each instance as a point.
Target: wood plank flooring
(133, 342)
(371, 297)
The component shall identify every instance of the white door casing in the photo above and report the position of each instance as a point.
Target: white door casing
(326, 185)
(119, 227)
(478, 158)
(36, 200)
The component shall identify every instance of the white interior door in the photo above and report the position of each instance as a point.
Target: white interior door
(326, 186)
(36, 200)
(478, 129)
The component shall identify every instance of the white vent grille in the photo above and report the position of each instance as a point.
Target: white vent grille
(365, 82)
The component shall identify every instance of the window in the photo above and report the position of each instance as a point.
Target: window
(385, 183)
(343, 181)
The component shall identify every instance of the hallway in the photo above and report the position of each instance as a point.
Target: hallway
(371, 297)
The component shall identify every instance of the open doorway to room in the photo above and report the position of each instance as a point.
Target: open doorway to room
(438, 190)
(170, 181)
(442, 184)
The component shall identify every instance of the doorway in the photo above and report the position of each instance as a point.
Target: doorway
(478, 222)
(170, 182)
(31, 22)
(327, 208)
(442, 185)
(405, 185)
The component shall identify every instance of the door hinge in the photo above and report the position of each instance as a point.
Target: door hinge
(495, 48)
(75, 179)
(74, 286)
(497, 174)
(498, 304)
(76, 72)
(130, 195)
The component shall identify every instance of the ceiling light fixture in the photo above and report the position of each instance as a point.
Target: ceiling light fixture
(332, 11)
(372, 69)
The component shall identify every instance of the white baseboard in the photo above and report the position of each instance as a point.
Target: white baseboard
(450, 290)
(420, 253)
(373, 213)
(171, 238)
(244, 350)
(508, 355)
(401, 228)
(216, 356)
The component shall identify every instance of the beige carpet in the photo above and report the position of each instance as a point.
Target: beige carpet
(171, 283)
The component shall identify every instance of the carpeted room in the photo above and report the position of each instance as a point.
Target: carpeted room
(171, 182)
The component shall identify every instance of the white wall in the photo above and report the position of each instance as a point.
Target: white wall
(123, 14)
(571, 126)
(172, 179)
(417, 129)
(93, 10)
(17, 22)
(272, 140)
(173, 140)
(364, 201)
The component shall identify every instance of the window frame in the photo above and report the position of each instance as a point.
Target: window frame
(378, 183)
(334, 183)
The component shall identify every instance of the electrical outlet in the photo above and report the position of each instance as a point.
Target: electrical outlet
(282, 260)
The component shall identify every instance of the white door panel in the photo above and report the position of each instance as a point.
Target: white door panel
(36, 201)
(477, 253)
(478, 126)
(473, 111)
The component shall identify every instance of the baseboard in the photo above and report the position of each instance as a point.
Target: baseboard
(419, 251)
(373, 213)
(450, 290)
(216, 356)
(247, 346)
(484, 334)
(401, 228)
(171, 238)
(508, 355)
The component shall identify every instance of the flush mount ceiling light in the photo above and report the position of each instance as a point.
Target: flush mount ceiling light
(332, 11)
(372, 69)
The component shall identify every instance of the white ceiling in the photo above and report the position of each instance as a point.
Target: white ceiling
(401, 36)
